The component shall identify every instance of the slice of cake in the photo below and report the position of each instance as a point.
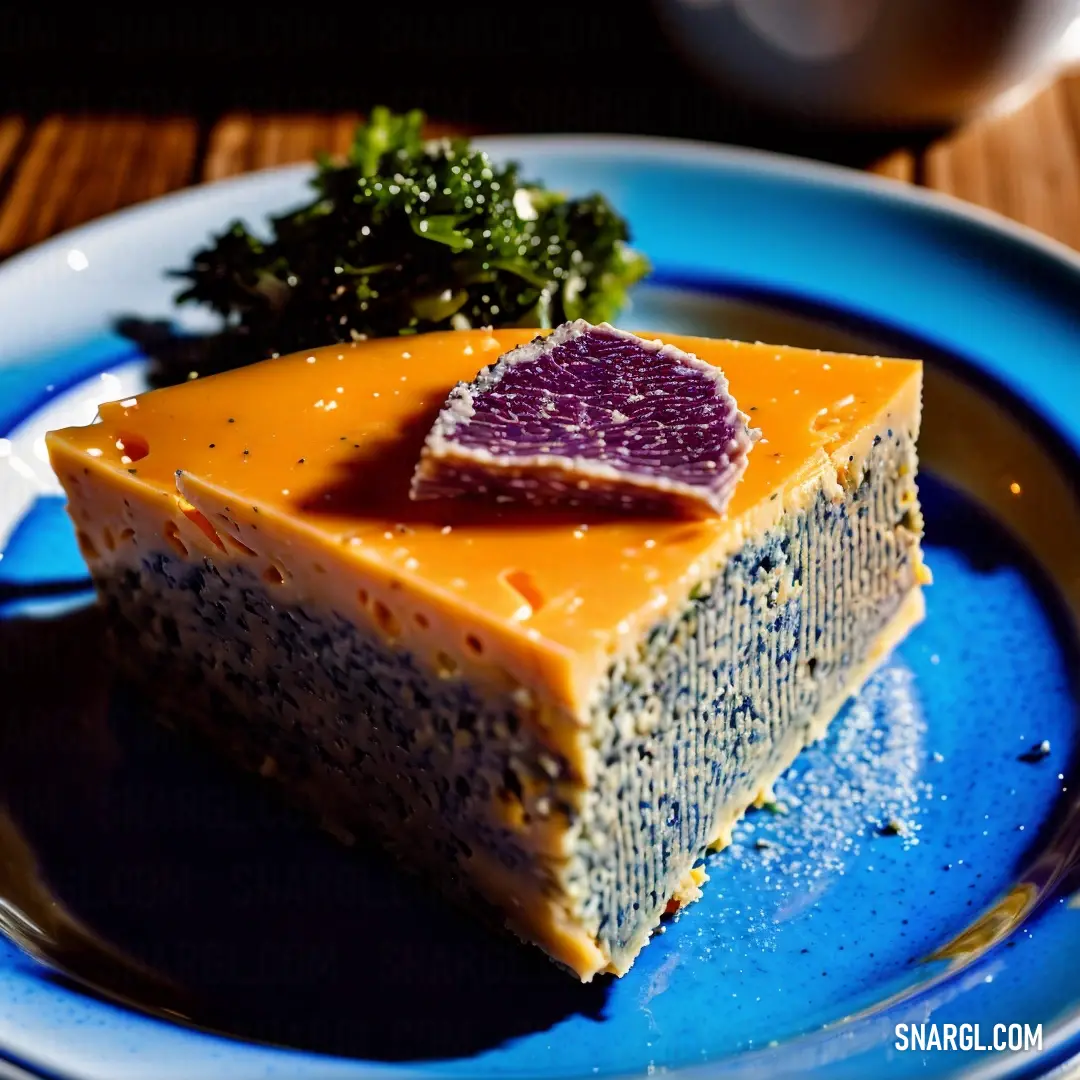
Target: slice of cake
(554, 714)
(594, 417)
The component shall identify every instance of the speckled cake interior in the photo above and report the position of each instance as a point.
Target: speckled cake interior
(590, 416)
(553, 720)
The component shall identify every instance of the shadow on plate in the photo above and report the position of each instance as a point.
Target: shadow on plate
(186, 889)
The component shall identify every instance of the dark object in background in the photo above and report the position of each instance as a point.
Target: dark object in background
(499, 67)
(870, 63)
(494, 65)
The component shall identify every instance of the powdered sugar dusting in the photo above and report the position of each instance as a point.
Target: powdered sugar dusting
(857, 788)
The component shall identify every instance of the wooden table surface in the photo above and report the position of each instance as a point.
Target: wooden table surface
(61, 171)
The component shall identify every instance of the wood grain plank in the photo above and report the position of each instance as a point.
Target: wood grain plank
(78, 168)
(241, 142)
(12, 129)
(899, 165)
(1025, 165)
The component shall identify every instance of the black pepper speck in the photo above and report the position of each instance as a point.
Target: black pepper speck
(1035, 753)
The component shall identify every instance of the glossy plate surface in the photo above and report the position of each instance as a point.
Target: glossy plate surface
(820, 929)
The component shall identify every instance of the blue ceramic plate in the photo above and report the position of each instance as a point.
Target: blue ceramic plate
(131, 856)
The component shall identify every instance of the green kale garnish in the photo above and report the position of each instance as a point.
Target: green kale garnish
(407, 236)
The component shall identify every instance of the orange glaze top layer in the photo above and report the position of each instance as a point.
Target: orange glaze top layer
(329, 440)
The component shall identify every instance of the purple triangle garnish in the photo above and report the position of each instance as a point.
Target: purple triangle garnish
(590, 417)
